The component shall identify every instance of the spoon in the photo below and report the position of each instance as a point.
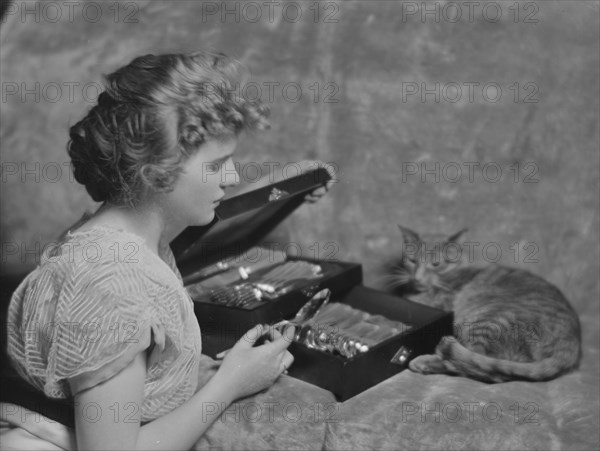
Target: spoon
(306, 312)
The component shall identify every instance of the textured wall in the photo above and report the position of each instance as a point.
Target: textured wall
(370, 53)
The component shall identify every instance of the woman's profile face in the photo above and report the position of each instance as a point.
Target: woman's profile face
(202, 183)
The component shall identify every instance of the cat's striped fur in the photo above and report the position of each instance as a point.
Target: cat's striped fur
(509, 323)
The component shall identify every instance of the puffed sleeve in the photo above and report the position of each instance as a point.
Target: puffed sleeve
(103, 320)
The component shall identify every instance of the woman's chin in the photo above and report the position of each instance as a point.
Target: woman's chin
(204, 220)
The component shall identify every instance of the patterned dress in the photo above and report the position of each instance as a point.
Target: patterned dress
(99, 298)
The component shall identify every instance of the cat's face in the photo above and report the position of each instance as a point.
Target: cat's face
(426, 260)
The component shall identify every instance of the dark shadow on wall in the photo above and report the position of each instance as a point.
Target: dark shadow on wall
(4, 5)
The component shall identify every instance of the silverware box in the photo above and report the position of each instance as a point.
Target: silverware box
(220, 249)
(225, 245)
(346, 377)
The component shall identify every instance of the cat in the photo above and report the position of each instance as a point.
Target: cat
(509, 324)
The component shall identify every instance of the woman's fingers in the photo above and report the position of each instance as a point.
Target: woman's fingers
(286, 361)
(273, 332)
(332, 174)
(316, 195)
(251, 337)
(279, 341)
(285, 336)
(222, 354)
(309, 165)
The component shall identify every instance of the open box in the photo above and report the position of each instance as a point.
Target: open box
(241, 222)
(346, 377)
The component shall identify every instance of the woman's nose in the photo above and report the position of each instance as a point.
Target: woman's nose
(230, 175)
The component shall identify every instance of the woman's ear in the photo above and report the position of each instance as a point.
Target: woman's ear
(154, 177)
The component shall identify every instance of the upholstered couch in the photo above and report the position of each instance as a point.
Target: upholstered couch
(412, 411)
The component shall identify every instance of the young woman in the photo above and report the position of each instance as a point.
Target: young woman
(105, 318)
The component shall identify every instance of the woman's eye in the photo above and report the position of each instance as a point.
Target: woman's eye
(434, 264)
(213, 168)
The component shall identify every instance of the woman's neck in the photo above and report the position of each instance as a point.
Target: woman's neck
(143, 221)
(147, 220)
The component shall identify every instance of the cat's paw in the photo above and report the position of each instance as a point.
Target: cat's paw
(444, 347)
(427, 364)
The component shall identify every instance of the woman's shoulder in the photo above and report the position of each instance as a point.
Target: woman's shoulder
(100, 260)
(104, 275)
(101, 254)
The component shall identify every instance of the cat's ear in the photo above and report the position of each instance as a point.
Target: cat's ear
(409, 235)
(456, 236)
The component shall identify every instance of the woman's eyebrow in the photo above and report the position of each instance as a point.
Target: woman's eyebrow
(221, 159)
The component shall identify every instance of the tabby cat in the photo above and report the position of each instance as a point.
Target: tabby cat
(509, 324)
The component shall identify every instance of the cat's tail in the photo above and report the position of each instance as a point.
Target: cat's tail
(465, 362)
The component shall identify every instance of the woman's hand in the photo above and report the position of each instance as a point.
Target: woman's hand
(278, 176)
(248, 369)
(308, 165)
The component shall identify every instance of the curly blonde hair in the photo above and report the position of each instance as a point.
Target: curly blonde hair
(154, 113)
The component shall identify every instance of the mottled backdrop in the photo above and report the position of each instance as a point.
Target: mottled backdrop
(436, 116)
